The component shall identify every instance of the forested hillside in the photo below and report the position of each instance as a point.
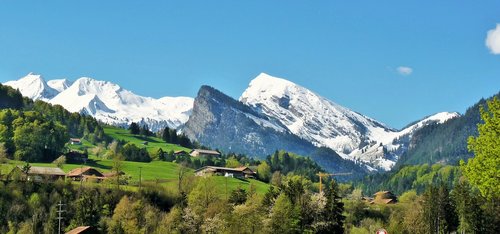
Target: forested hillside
(444, 143)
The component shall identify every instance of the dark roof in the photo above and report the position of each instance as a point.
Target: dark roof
(212, 168)
(45, 171)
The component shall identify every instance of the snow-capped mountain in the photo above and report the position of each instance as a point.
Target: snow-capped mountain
(107, 102)
(325, 123)
(60, 84)
(34, 87)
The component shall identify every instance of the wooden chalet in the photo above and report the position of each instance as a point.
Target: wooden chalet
(239, 172)
(85, 173)
(204, 153)
(38, 174)
(384, 197)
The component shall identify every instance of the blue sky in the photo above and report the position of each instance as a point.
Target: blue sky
(347, 51)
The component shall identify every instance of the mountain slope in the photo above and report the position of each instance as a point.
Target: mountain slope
(444, 143)
(327, 124)
(223, 123)
(312, 117)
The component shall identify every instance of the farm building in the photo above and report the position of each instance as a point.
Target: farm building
(85, 173)
(239, 172)
(204, 153)
(37, 174)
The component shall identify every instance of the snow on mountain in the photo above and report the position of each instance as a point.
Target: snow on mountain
(107, 102)
(60, 84)
(325, 123)
(112, 104)
(386, 152)
(312, 117)
(34, 87)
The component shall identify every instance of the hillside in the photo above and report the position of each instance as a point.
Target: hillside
(444, 143)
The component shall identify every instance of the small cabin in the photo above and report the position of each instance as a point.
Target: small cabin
(180, 152)
(75, 141)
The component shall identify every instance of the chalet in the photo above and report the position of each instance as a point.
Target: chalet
(145, 143)
(85, 173)
(239, 172)
(75, 141)
(384, 197)
(204, 153)
(180, 152)
(38, 174)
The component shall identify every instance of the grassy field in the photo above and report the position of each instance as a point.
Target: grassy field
(154, 143)
(158, 172)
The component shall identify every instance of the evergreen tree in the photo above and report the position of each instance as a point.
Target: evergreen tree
(439, 213)
(165, 135)
(468, 209)
(134, 128)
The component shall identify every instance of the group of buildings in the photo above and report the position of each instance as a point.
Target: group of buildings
(39, 174)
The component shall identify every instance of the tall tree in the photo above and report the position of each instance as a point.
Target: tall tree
(482, 170)
(134, 128)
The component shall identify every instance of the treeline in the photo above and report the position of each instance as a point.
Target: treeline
(416, 177)
(169, 135)
(37, 131)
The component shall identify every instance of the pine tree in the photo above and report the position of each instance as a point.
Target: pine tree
(468, 208)
(134, 128)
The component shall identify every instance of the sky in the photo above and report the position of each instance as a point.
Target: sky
(394, 61)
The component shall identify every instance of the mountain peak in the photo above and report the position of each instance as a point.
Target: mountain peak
(33, 86)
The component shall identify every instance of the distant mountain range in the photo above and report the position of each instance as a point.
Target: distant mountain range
(271, 114)
(106, 101)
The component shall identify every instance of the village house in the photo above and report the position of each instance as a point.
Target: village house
(384, 197)
(85, 173)
(75, 141)
(37, 174)
(204, 153)
(239, 172)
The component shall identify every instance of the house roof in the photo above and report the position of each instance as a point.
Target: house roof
(75, 139)
(202, 151)
(79, 171)
(78, 230)
(179, 151)
(382, 192)
(212, 168)
(45, 171)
